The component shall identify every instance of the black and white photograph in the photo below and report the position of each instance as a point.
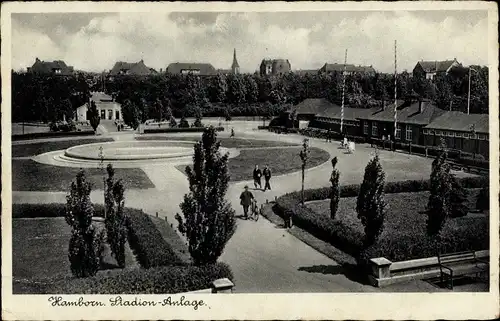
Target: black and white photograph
(158, 154)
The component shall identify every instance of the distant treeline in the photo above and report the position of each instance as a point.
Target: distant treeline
(42, 98)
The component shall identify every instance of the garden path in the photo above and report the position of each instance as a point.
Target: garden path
(263, 257)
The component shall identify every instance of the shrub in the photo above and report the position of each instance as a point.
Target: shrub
(84, 245)
(178, 130)
(115, 218)
(335, 189)
(483, 199)
(173, 122)
(458, 199)
(159, 280)
(208, 219)
(197, 122)
(183, 123)
(370, 204)
(147, 243)
(479, 161)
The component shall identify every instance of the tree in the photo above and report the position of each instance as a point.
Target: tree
(483, 198)
(218, 89)
(304, 157)
(235, 89)
(173, 122)
(208, 219)
(115, 217)
(438, 206)
(458, 198)
(370, 204)
(85, 243)
(131, 114)
(335, 189)
(197, 122)
(94, 117)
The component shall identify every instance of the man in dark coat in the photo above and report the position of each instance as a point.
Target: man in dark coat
(246, 198)
(257, 174)
(267, 177)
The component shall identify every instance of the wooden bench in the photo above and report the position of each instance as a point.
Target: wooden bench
(457, 264)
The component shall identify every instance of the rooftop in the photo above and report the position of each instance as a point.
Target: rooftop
(458, 121)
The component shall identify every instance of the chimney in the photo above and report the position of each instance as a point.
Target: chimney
(420, 107)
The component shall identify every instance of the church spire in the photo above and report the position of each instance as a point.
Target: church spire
(235, 67)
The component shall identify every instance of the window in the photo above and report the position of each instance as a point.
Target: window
(457, 134)
(374, 129)
(466, 135)
(365, 128)
(409, 133)
(481, 136)
(425, 131)
(438, 133)
(398, 131)
(451, 134)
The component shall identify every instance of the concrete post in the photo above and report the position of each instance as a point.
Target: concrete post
(222, 286)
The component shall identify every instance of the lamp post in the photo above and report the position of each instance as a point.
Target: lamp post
(304, 156)
(468, 96)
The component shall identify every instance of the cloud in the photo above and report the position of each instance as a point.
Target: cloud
(307, 39)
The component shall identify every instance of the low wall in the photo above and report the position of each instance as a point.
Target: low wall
(385, 272)
(52, 135)
(218, 286)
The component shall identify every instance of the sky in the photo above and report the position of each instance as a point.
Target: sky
(95, 41)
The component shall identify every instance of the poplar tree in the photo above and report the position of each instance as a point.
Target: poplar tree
(335, 189)
(208, 219)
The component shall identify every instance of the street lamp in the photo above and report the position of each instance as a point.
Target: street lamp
(468, 96)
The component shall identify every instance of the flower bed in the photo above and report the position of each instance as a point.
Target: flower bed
(405, 236)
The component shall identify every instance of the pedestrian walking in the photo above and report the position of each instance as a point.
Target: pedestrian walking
(232, 132)
(257, 174)
(246, 199)
(329, 136)
(267, 177)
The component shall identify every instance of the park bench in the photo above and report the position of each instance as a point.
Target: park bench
(458, 264)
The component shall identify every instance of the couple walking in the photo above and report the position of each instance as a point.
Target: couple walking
(257, 175)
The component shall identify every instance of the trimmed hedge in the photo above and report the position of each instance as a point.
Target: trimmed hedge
(476, 162)
(147, 243)
(160, 280)
(52, 135)
(409, 186)
(179, 130)
(46, 210)
(263, 127)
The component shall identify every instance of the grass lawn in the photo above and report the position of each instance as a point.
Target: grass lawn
(40, 253)
(225, 142)
(172, 238)
(279, 160)
(28, 175)
(33, 149)
(405, 220)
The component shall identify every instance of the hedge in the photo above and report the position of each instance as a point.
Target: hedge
(179, 130)
(52, 135)
(409, 186)
(262, 127)
(147, 243)
(159, 280)
(46, 210)
(476, 162)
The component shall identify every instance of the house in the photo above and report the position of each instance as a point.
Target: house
(183, 68)
(412, 117)
(274, 67)
(304, 72)
(56, 67)
(106, 106)
(349, 69)
(310, 107)
(330, 118)
(468, 133)
(429, 69)
(127, 68)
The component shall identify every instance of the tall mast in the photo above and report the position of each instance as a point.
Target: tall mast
(343, 94)
(395, 89)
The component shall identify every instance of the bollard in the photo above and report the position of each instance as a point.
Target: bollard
(276, 198)
(426, 152)
(156, 214)
(166, 220)
(267, 201)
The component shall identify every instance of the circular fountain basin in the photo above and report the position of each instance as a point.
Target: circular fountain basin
(130, 150)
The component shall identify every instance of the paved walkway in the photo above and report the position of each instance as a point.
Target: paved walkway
(263, 257)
